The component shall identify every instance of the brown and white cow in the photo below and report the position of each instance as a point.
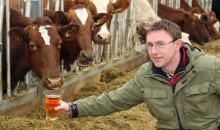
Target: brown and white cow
(187, 21)
(208, 19)
(101, 34)
(80, 48)
(34, 47)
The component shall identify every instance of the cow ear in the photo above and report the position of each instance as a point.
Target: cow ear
(68, 32)
(18, 34)
(212, 15)
(60, 17)
(121, 5)
(100, 19)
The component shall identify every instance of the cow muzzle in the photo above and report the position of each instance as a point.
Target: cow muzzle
(85, 58)
(53, 83)
(102, 39)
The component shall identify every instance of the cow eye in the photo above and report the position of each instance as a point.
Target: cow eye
(33, 46)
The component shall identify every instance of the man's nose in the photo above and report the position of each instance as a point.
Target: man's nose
(154, 49)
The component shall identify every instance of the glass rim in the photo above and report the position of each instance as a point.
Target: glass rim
(52, 94)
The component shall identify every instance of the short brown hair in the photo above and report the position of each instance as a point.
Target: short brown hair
(168, 26)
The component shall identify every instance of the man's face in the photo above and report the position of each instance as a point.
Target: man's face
(162, 49)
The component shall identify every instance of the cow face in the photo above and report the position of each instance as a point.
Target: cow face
(209, 25)
(42, 45)
(208, 20)
(82, 42)
(192, 22)
(101, 34)
(80, 48)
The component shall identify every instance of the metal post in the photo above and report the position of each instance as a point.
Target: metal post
(1, 25)
(41, 8)
(8, 49)
(57, 5)
(62, 5)
(28, 7)
(189, 2)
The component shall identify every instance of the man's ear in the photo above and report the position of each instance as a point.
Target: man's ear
(179, 43)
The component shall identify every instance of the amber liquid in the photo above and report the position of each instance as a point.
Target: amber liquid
(51, 102)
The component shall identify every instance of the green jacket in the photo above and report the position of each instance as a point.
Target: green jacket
(195, 103)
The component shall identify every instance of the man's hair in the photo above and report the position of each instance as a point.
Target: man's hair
(168, 26)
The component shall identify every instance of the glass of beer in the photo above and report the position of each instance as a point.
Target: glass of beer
(52, 100)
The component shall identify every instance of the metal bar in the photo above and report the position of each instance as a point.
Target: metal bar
(62, 5)
(28, 8)
(49, 5)
(8, 49)
(1, 25)
(57, 5)
(22, 6)
(41, 8)
(189, 2)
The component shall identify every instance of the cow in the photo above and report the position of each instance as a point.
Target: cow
(212, 24)
(80, 48)
(187, 21)
(208, 19)
(34, 47)
(101, 34)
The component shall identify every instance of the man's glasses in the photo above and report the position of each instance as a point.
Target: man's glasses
(158, 45)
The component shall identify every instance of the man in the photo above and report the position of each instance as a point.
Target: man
(180, 85)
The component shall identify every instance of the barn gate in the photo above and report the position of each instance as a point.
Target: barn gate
(120, 54)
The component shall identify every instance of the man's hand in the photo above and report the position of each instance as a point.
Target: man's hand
(63, 108)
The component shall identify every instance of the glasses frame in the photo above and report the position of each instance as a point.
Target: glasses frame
(158, 45)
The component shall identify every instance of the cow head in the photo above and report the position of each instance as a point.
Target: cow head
(80, 48)
(191, 23)
(208, 20)
(42, 45)
(101, 34)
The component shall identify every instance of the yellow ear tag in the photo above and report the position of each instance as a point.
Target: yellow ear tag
(118, 9)
(98, 22)
(67, 34)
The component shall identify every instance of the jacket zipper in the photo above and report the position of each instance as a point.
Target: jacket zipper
(178, 117)
(173, 90)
